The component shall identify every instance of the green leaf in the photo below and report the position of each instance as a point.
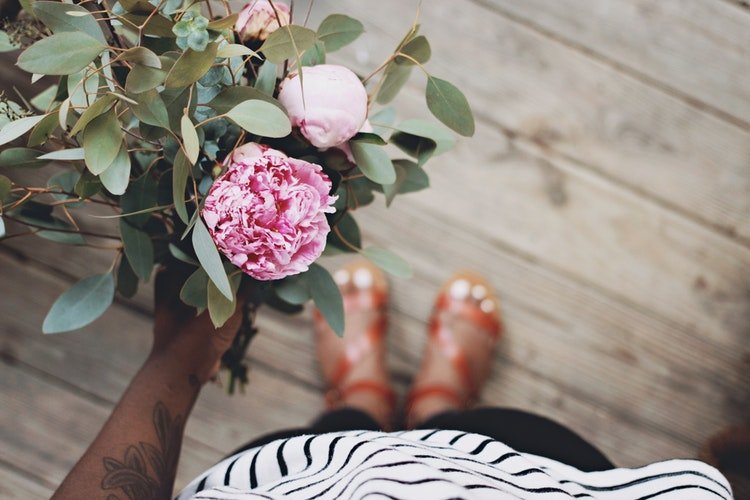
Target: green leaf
(191, 66)
(60, 54)
(261, 118)
(337, 31)
(102, 140)
(327, 297)
(180, 174)
(444, 138)
(21, 158)
(195, 290)
(71, 154)
(88, 185)
(223, 23)
(208, 256)
(396, 76)
(144, 78)
(43, 100)
(5, 44)
(139, 249)
(232, 96)
(82, 87)
(220, 308)
(388, 262)
(314, 55)
(350, 234)
(42, 130)
(65, 17)
(421, 148)
(5, 187)
(266, 81)
(409, 177)
(190, 139)
(141, 56)
(99, 106)
(127, 281)
(374, 162)
(418, 49)
(150, 109)
(137, 6)
(141, 194)
(116, 177)
(234, 50)
(62, 237)
(156, 25)
(370, 138)
(81, 304)
(293, 289)
(449, 106)
(287, 42)
(2, 228)
(16, 129)
(180, 255)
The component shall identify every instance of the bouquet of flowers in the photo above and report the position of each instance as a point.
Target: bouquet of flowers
(222, 140)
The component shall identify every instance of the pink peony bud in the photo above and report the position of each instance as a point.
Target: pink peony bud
(266, 213)
(335, 104)
(258, 19)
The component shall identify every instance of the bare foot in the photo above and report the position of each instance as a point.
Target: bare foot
(464, 330)
(354, 366)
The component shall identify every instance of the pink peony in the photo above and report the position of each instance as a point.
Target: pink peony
(334, 107)
(266, 213)
(258, 19)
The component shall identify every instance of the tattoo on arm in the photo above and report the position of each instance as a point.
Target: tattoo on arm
(147, 472)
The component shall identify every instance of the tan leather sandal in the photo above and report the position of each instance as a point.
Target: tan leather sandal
(363, 286)
(482, 312)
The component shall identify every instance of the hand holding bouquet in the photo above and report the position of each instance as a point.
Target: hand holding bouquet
(222, 140)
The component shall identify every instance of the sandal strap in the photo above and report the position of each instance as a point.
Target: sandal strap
(349, 359)
(335, 395)
(436, 390)
(488, 322)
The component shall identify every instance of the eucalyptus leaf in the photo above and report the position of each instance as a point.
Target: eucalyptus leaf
(220, 308)
(150, 109)
(396, 76)
(190, 139)
(449, 105)
(102, 140)
(327, 297)
(208, 256)
(5, 44)
(418, 49)
(42, 130)
(144, 78)
(232, 96)
(5, 187)
(350, 234)
(21, 158)
(116, 177)
(2, 228)
(410, 177)
(180, 174)
(140, 195)
(338, 30)
(261, 118)
(99, 106)
(266, 81)
(388, 262)
(374, 162)
(444, 138)
(62, 237)
(234, 50)
(191, 66)
(81, 304)
(223, 23)
(139, 249)
(195, 290)
(141, 56)
(60, 54)
(314, 55)
(43, 100)
(71, 154)
(287, 42)
(180, 255)
(16, 129)
(293, 289)
(65, 17)
(127, 281)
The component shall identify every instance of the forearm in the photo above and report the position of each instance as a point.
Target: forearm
(135, 454)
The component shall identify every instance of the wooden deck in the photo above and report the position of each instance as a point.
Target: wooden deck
(606, 194)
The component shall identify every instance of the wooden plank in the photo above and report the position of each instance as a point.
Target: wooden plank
(699, 51)
(44, 428)
(20, 486)
(537, 90)
(289, 349)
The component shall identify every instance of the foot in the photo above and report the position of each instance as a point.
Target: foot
(354, 365)
(464, 330)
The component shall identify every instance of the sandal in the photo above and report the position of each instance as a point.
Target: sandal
(467, 297)
(363, 287)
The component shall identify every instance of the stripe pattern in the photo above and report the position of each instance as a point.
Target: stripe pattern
(435, 464)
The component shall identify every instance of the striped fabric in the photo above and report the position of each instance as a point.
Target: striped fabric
(435, 464)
